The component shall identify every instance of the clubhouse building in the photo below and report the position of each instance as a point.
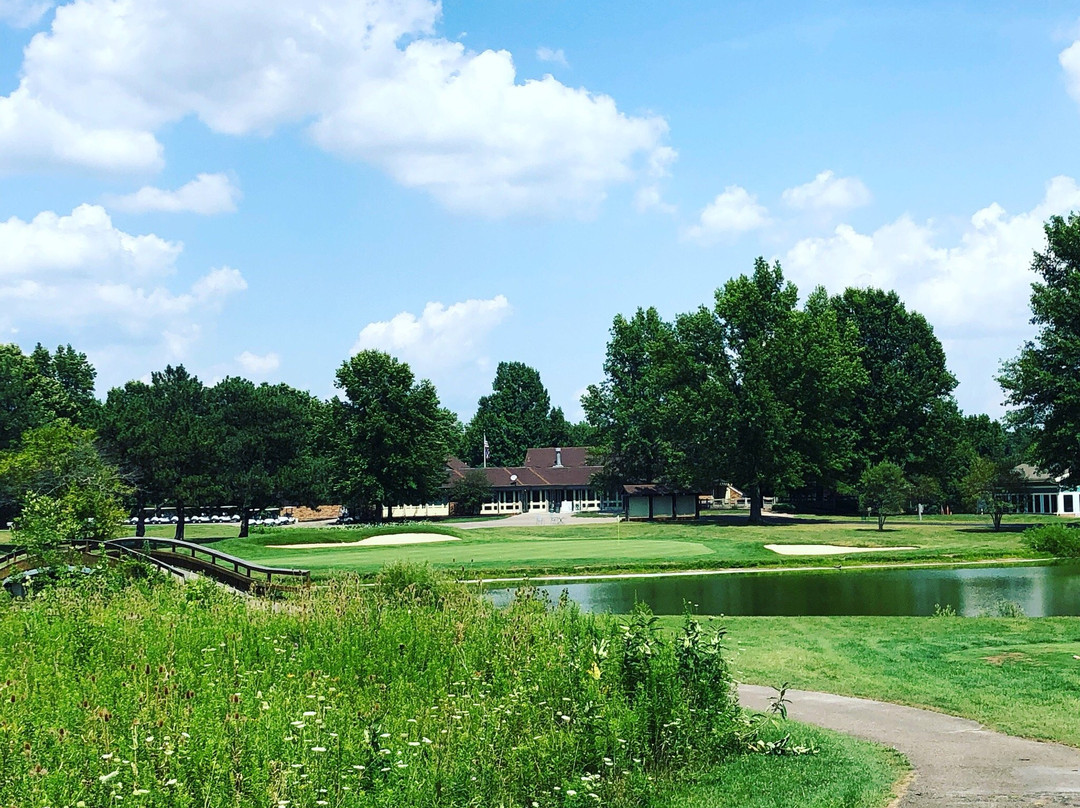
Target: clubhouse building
(558, 479)
(1041, 493)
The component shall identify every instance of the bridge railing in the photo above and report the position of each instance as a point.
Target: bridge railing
(215, 558)
(182, 553)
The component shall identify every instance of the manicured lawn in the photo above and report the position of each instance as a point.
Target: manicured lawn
(712, 543)
(1019, 676)
(846, 773)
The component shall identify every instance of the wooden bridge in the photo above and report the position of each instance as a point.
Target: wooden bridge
(179, 559)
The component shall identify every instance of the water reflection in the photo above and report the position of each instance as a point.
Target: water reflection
(1041, 591)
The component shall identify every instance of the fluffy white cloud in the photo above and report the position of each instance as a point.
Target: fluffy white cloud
(441, 339)
(255, 365)
(207, 194)
(975, 291)
(827, 192)
(23, 13)
(82, 274)
(734, 211)
(1070, 62)
(370, 76)
(548, 55)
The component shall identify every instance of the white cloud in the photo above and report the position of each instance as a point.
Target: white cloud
(1070, 62)
(370, 77)
(975, 291)
(548, 55)
(255, 365)
(734, 211)
(648, 198)
(23, 13)
(441, 339)
(827, 192)
(207, 194)
(79, 273)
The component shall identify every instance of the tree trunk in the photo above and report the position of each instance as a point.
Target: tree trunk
(179, 521)
(755, 504)
(996, 516)
(245, 521)
(880, 521)
(140, 517)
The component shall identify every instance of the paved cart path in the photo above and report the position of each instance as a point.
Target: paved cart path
(957, 762)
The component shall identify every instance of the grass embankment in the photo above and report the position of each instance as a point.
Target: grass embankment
(605, 547)
(1017, 675)
(413, 693)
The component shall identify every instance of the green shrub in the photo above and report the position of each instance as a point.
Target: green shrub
(1056, 539)
(783, 507)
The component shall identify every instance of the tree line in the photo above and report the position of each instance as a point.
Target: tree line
(815, 402)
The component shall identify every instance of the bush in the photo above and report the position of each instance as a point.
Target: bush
(1057, 540)
(783, 507)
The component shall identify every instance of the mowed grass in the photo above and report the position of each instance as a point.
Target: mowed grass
(602, 547)
(845, 773)
(1018, 675)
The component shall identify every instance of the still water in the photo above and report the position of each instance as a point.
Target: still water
(1041, 591)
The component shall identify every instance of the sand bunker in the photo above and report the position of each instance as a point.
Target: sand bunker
(375, 541)
(826, 549)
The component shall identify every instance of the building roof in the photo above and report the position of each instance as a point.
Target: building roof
(572, 456)
(655, 490)
(539, 470)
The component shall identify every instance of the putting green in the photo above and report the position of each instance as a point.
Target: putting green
(571, 551)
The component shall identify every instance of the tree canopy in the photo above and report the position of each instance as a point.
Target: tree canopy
(1043, 382)
(515, 417)
(42, 387)
(389, 437)
(905, 413)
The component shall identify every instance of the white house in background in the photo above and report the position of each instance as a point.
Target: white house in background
(1042, 493)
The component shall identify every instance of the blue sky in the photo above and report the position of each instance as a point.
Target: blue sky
(260, 189)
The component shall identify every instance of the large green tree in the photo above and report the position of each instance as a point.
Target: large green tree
(61, 486)
(990, 486)
(905, 414)
(752, 391)
(263, 431)
(792, 374)
(631, 409)
(129, 433)
(389, 436)
(39, 388)
(1043, 382)
(883, 491)
(515, 417)
(187, 441)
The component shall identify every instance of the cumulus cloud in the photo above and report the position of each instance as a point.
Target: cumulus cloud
(441, 339)
(23, 13)
(549, 55)
(207, 195)
(81, 273)
(255, 365)
(827, 192)
(974, 291)
(370, 77)
(734, 211)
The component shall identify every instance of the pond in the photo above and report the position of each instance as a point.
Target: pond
(1040, 590)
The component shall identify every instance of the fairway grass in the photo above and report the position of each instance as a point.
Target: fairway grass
(723, 542)
(1017, 675)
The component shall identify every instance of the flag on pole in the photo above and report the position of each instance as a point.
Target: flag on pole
(487, 450)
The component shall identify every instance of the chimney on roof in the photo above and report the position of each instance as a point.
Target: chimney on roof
(558, 458)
